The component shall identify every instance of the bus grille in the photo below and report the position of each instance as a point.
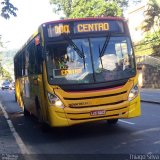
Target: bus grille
(101, 100)
(114, 103)
(108, 95)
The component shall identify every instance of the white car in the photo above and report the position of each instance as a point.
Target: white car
(5, 85)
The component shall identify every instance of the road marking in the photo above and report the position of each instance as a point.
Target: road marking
(18, 139)
(157, 129)
(127, 122)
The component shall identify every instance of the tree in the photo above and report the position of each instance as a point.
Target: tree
(152, 15)
(85, 8)
(94, 8)
(8, 9)
(4, 74)
(121, 3)
(151, 26)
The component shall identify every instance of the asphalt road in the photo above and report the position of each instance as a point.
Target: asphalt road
(150, 95)
(130, 136)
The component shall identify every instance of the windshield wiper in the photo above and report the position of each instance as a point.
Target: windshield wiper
(100, 56)
(74, 46)
(101, 53)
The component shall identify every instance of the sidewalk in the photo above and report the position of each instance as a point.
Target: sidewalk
(150, 95)
(8, 143)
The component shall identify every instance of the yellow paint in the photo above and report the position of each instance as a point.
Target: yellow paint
(61, 29)
(18, 93)
(81, 113)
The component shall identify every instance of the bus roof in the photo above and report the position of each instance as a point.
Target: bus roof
(82, 19)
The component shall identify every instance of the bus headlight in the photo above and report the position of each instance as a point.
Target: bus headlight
(133, 93)
(53, 99)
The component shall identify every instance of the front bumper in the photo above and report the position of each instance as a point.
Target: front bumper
(72, 116)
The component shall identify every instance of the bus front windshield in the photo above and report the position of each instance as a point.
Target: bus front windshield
(90, 60)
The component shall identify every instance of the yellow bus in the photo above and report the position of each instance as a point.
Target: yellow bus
(75, 71)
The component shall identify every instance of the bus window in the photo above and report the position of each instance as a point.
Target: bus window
(65, 65)
(114, 64)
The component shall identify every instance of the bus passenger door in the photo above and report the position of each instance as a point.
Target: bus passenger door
(37, 84)
(32, 81)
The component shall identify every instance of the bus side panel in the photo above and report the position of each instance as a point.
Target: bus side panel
(33, 88)
(51, 117)
(26, 94)
(18, 92)
(41, 98)
(134, 108)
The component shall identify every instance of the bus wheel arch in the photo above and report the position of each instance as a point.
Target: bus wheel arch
(26, 112)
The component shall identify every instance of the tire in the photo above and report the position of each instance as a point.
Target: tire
(26, 113)
(112, 121)
(39, 114)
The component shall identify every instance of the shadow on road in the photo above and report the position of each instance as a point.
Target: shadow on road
(29, 127)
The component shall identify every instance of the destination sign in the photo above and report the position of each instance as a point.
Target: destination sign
(91, 27)
(64, 72)
(78, 27)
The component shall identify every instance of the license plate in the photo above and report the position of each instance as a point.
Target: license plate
(97, 112)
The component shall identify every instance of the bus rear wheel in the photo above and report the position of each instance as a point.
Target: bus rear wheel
(112, 121)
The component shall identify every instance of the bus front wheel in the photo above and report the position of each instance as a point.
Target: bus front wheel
(112, 121)
(25, 112)
(39, 112)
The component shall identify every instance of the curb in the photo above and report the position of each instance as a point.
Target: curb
(155, 102)
(18, 141)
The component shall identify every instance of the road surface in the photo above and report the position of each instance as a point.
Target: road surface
(129, 137)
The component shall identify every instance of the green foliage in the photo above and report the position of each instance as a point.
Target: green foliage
(8, 9)
(152, 14)
(92, 8)
(143, 48)
(62, 5)
(121, 3)
(150, 45)
(154, 40)
(6, 64)
(4, 74)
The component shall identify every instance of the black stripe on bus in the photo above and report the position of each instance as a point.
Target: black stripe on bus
(109, 95)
